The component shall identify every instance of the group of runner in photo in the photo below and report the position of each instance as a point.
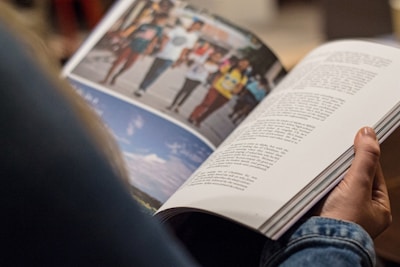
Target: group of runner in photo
(224, 73)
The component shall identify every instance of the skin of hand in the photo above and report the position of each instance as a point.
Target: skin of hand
(361, 197)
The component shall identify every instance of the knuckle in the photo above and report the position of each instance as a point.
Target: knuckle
(370, 149)
(373, 151)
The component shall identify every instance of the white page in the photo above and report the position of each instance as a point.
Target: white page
(162, 143)
(363, 86)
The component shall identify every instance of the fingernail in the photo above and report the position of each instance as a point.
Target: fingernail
(368, 131)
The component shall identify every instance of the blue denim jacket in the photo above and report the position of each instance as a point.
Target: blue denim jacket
(321, 242)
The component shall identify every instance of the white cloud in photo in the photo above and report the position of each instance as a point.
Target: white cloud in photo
(122, 140)
(158, 177)
(154, 158)
(195, 155)
(137, 122)
(174, 147)
(130, 130)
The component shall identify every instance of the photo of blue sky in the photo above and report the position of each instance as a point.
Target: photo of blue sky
(159, 154)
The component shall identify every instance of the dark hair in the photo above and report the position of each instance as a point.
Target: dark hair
(236, 64)
(159, 16)
(197, 21)
(167, 2)
(263, 81)
(213, 53)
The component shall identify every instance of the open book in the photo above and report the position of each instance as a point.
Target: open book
(209, 121)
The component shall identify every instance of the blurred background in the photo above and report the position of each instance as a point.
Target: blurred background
(290, 27)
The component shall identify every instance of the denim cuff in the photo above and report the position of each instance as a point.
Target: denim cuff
(321, 242)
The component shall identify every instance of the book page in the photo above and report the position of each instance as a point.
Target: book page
(298, 142)
(167, 59)
(171, 82)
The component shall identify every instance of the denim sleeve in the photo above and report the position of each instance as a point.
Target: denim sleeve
(321, 242)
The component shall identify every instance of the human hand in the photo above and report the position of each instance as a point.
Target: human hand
(361, 197)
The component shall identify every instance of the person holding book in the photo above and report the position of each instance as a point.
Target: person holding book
(176, 44)
(254, 93)
(143, 40)
(356, 210)
(64, 201)
(197, 74)
(229, 82)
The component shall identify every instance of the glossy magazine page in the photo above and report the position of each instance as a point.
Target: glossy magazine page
(171, 82)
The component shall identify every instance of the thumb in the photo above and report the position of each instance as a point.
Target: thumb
(366, 161)
(361, 197)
